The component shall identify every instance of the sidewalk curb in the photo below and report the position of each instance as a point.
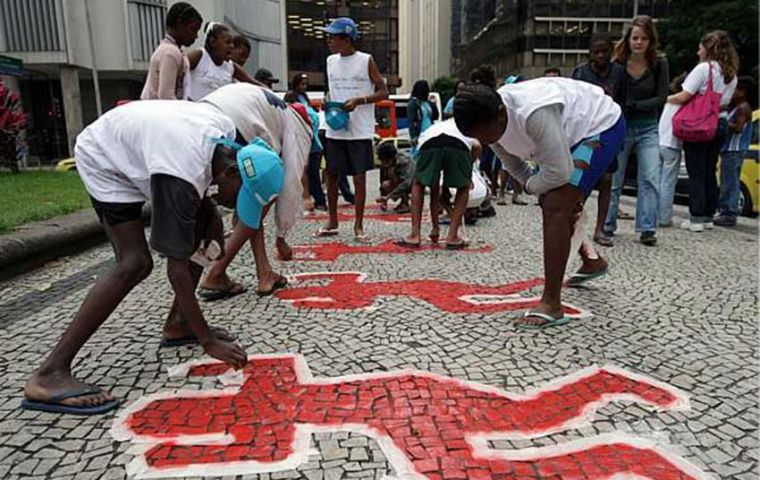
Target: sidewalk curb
(31, 245)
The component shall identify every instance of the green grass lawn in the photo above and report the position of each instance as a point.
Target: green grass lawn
(38, 195)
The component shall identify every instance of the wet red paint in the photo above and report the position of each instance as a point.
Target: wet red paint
(327, 252)
(348, 291)
(427, 418)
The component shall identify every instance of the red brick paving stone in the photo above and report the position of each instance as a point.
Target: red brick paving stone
(433, 443)
(348, 291)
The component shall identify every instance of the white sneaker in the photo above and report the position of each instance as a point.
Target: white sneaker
(692, 227)
(709, 225)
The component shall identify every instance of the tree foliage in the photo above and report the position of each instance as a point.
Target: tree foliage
(689, 20)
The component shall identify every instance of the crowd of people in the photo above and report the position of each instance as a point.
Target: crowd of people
(234, 143)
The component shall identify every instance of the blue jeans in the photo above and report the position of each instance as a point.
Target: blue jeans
(671, 164)
(730, 173)
(315, 182)
(646, 140)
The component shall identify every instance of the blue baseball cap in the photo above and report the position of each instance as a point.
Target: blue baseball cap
(342, 26)
(263, 175)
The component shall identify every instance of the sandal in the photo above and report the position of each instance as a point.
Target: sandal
(403, 242)
(549, 321)
(326, 232)
(603, 241)
(231, 290)
(279, 284)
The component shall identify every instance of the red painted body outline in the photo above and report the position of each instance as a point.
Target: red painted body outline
(429, 426)
(328, 252)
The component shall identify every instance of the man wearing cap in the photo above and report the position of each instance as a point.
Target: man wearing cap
(167, 153)
(265, 76)
(355, 82)
(257, 112)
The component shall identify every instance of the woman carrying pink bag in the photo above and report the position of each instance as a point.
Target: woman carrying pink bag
(716, 72)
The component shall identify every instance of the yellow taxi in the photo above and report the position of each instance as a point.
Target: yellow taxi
(749, 200)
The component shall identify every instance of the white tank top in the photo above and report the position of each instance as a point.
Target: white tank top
(208, 76)
(348, 77)
(586, 111)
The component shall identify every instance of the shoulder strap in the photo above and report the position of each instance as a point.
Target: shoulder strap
(709, 78)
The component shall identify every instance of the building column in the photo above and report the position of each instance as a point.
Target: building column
(72, 104)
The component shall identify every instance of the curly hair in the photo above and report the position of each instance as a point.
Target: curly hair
(720, 48)
(623, 48)
(213, 31)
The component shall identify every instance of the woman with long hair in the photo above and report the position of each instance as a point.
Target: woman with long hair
(422, 113)
(719, 60)
(644, 91)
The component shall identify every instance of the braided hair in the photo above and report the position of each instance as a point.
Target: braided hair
(484, 75)
(181, 13)
(213, 31)
(475, 104)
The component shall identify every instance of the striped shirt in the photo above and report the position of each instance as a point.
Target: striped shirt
(737, 142)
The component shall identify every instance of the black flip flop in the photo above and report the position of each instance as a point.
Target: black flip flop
(456, 246)
(54, 405)
(214, 294)
(281, 283)
(401, 242)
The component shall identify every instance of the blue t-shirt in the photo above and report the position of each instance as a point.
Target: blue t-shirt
(449, 108)
(427, 116)
(316, 145)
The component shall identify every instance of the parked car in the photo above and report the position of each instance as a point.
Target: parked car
(66, 164)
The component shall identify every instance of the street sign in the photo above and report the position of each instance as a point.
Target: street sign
(11, 66)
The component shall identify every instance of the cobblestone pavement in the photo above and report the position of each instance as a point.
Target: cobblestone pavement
(683, 314)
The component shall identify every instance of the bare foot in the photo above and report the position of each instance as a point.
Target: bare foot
(268, 280)
(435, 235)
(215, 281)
(555, 312)
(43, 386)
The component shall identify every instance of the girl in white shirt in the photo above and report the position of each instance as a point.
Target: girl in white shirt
(211, 67)
(717, 55)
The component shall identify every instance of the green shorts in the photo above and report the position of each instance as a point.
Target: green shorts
(456, 164)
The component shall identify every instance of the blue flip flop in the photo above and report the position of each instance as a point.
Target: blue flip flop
(550, 321)
(577, 279)
(54, 405)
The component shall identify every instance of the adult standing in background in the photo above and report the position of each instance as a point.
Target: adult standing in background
(422, 113)
(645, 90)
(355, 81)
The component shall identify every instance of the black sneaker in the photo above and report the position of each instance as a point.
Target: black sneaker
(723, 221)
(648, 239)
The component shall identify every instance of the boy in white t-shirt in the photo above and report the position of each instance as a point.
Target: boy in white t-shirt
(573, 131)
(355, 81)
(166, 152)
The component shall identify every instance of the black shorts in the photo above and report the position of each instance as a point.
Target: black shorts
(351, 157)
(116, 213)
(176, 206)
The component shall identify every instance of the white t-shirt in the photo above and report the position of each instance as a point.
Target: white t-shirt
(667, 139)
(586, 111)
(257, 112)
(117, 154)
(447, 127)
(696, 82)
(348, 77)
(208, 76)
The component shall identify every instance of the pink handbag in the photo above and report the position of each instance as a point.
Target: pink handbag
(697, 121)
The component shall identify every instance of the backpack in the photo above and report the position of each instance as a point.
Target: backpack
(697, 120)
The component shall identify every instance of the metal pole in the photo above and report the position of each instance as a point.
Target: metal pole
(95, 80)
(635, 8)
